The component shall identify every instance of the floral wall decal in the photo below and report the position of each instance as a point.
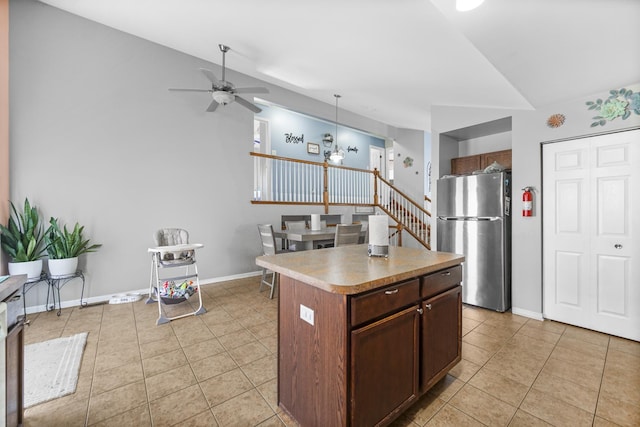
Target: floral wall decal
(620, 103)
(408, 162)
(555, 120)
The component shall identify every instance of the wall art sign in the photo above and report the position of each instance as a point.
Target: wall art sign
(290, 138)
(313, 148)
(354, 149)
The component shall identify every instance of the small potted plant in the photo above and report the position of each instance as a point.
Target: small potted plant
(22, 240)
(64, 247)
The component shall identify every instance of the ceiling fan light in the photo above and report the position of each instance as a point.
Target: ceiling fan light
(222, 97)
(466, 5)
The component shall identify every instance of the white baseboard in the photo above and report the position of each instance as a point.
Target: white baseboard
(101, 299)
(527, 313)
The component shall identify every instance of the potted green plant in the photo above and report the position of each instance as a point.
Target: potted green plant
(64, 247)
(22, 240)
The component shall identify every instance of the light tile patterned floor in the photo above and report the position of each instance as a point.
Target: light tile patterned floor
(219, 369)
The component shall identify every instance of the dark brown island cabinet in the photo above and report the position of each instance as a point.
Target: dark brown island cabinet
(14, 355)
(360, 338)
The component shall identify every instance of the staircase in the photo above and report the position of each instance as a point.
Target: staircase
(281, 180)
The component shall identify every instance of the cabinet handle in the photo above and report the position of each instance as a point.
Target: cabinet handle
(428, 306)
(446, 273)
(420, 311)
(391, 292)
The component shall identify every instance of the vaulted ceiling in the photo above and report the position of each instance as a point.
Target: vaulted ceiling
(393, 60)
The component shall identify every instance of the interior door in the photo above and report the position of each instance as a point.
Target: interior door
(591, 188)
(376, 159)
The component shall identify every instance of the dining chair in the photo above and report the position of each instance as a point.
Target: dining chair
(347, 234)
(319, 244)
(365, 227)
(295, 226)
(268, 248)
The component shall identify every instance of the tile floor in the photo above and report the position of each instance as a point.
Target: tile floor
(219, 369)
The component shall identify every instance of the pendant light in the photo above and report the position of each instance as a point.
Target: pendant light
(337, 154)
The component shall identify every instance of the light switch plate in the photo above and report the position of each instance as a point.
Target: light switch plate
(306, 314)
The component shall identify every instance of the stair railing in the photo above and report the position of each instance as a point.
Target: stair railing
(282, 180)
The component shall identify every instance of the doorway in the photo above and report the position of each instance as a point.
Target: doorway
(376, 159)
(261, 165)
(591, 230)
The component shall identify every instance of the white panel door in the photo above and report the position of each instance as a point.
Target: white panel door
(590, 189)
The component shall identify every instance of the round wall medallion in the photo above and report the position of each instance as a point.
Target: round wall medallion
(555, 120)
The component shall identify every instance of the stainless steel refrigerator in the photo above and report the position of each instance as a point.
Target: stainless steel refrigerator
(473, 218)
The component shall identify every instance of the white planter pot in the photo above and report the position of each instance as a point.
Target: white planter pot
(62, 267)
(32, 269)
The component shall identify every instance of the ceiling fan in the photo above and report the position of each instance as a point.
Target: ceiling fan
(224, 92)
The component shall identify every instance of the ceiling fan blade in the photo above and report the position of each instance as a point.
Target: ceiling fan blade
(247, 104)
(212, 107)
(212, 77)
(189, 90)
(251, 90)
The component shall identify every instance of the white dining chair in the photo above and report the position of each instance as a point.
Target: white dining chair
(347, 234)
(365, 228)
(268, 248)
(295, 226)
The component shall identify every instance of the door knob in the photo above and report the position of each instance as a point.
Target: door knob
(617, 246)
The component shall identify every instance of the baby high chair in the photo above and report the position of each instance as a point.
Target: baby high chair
(173, 251)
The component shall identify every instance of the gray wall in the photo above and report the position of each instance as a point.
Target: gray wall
(529, 131)
(97, 138)
(485, 144)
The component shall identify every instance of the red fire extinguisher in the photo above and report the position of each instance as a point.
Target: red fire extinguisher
(527, 201)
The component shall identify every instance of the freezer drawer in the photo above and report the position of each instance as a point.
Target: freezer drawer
(486, 276)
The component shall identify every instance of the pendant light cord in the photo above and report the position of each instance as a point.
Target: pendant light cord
(337, 97)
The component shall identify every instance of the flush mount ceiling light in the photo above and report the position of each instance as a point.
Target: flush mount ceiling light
(466, 5)
(337, 154)
(222, 97)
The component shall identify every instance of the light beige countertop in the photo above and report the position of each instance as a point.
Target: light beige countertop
(11, 285)
(349, 270)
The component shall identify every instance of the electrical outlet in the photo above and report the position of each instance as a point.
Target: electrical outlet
(306, 314)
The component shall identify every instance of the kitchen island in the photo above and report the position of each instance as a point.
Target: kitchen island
(362, 338)
(12, 379)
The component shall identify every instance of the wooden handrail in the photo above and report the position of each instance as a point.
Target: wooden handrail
(287, 159)
(403, 195)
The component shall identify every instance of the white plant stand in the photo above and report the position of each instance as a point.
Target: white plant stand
(172, 258)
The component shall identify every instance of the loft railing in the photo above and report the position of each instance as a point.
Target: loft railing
(281, 180)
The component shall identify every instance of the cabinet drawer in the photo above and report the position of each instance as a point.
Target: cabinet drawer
(384, 301)
(440, 281)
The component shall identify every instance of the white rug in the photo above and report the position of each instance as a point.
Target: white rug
(51, 368)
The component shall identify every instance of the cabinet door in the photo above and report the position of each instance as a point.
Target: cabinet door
(465, 165)
(14, 371)
(502, 157)
(384, 368)
(441, 335)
